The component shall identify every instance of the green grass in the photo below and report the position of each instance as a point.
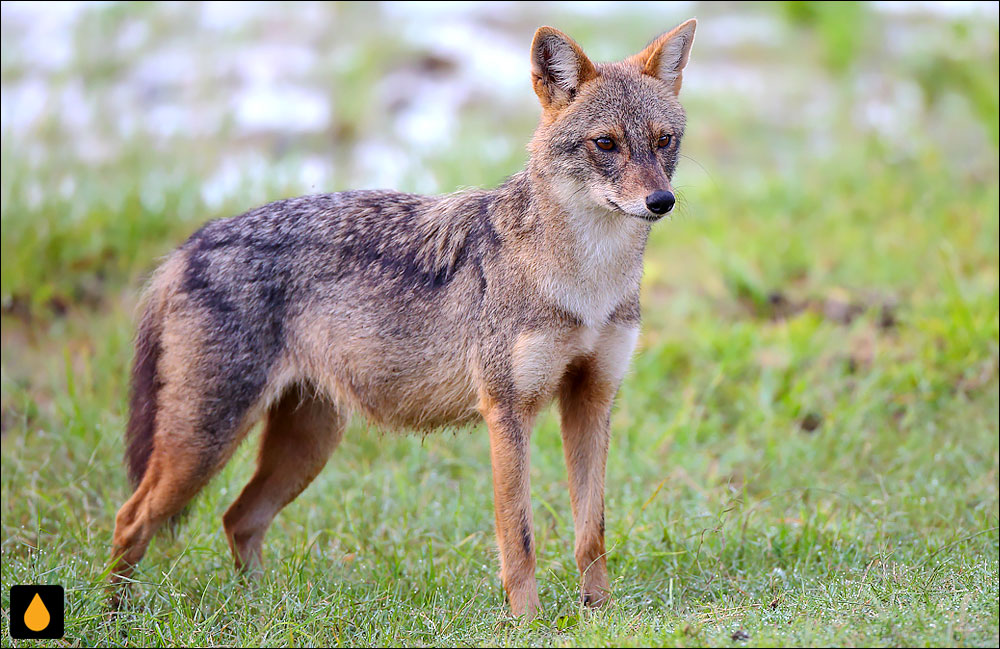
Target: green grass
(805, 451)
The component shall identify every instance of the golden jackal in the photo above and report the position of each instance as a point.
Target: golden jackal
(418, 312)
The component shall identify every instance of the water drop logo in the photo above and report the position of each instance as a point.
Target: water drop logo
(37, 616)
(37, 612)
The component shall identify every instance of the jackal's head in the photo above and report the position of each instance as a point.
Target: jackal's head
(610, 132)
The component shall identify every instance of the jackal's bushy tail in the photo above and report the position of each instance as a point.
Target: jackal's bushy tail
(145, 385)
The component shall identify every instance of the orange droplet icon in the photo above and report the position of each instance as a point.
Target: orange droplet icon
(36, 617)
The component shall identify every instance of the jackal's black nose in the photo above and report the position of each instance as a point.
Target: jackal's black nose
(660, 202)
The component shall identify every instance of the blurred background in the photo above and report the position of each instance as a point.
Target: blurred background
(817, 373)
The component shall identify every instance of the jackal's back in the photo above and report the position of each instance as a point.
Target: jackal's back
(371, 296)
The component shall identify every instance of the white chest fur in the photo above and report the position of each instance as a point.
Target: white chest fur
(600, 266)
(540, 357)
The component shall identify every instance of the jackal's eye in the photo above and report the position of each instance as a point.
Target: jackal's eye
(663, 141)
(605, 143)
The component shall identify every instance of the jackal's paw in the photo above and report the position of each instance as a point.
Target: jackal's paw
(595, 598)
(251, 572)
(524, 604)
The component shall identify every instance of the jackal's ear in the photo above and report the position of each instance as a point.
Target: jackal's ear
(667, 55)
(558, 68)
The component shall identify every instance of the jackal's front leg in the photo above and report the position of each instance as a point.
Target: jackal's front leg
(585, 405)
(509, 454)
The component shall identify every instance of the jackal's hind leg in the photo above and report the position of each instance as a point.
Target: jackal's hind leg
(301, 432)
(180, 464)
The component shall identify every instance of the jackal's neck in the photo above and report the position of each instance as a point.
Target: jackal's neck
(575, 228)
(585, 258)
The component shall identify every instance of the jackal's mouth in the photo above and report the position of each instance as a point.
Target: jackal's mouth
(652, 218)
